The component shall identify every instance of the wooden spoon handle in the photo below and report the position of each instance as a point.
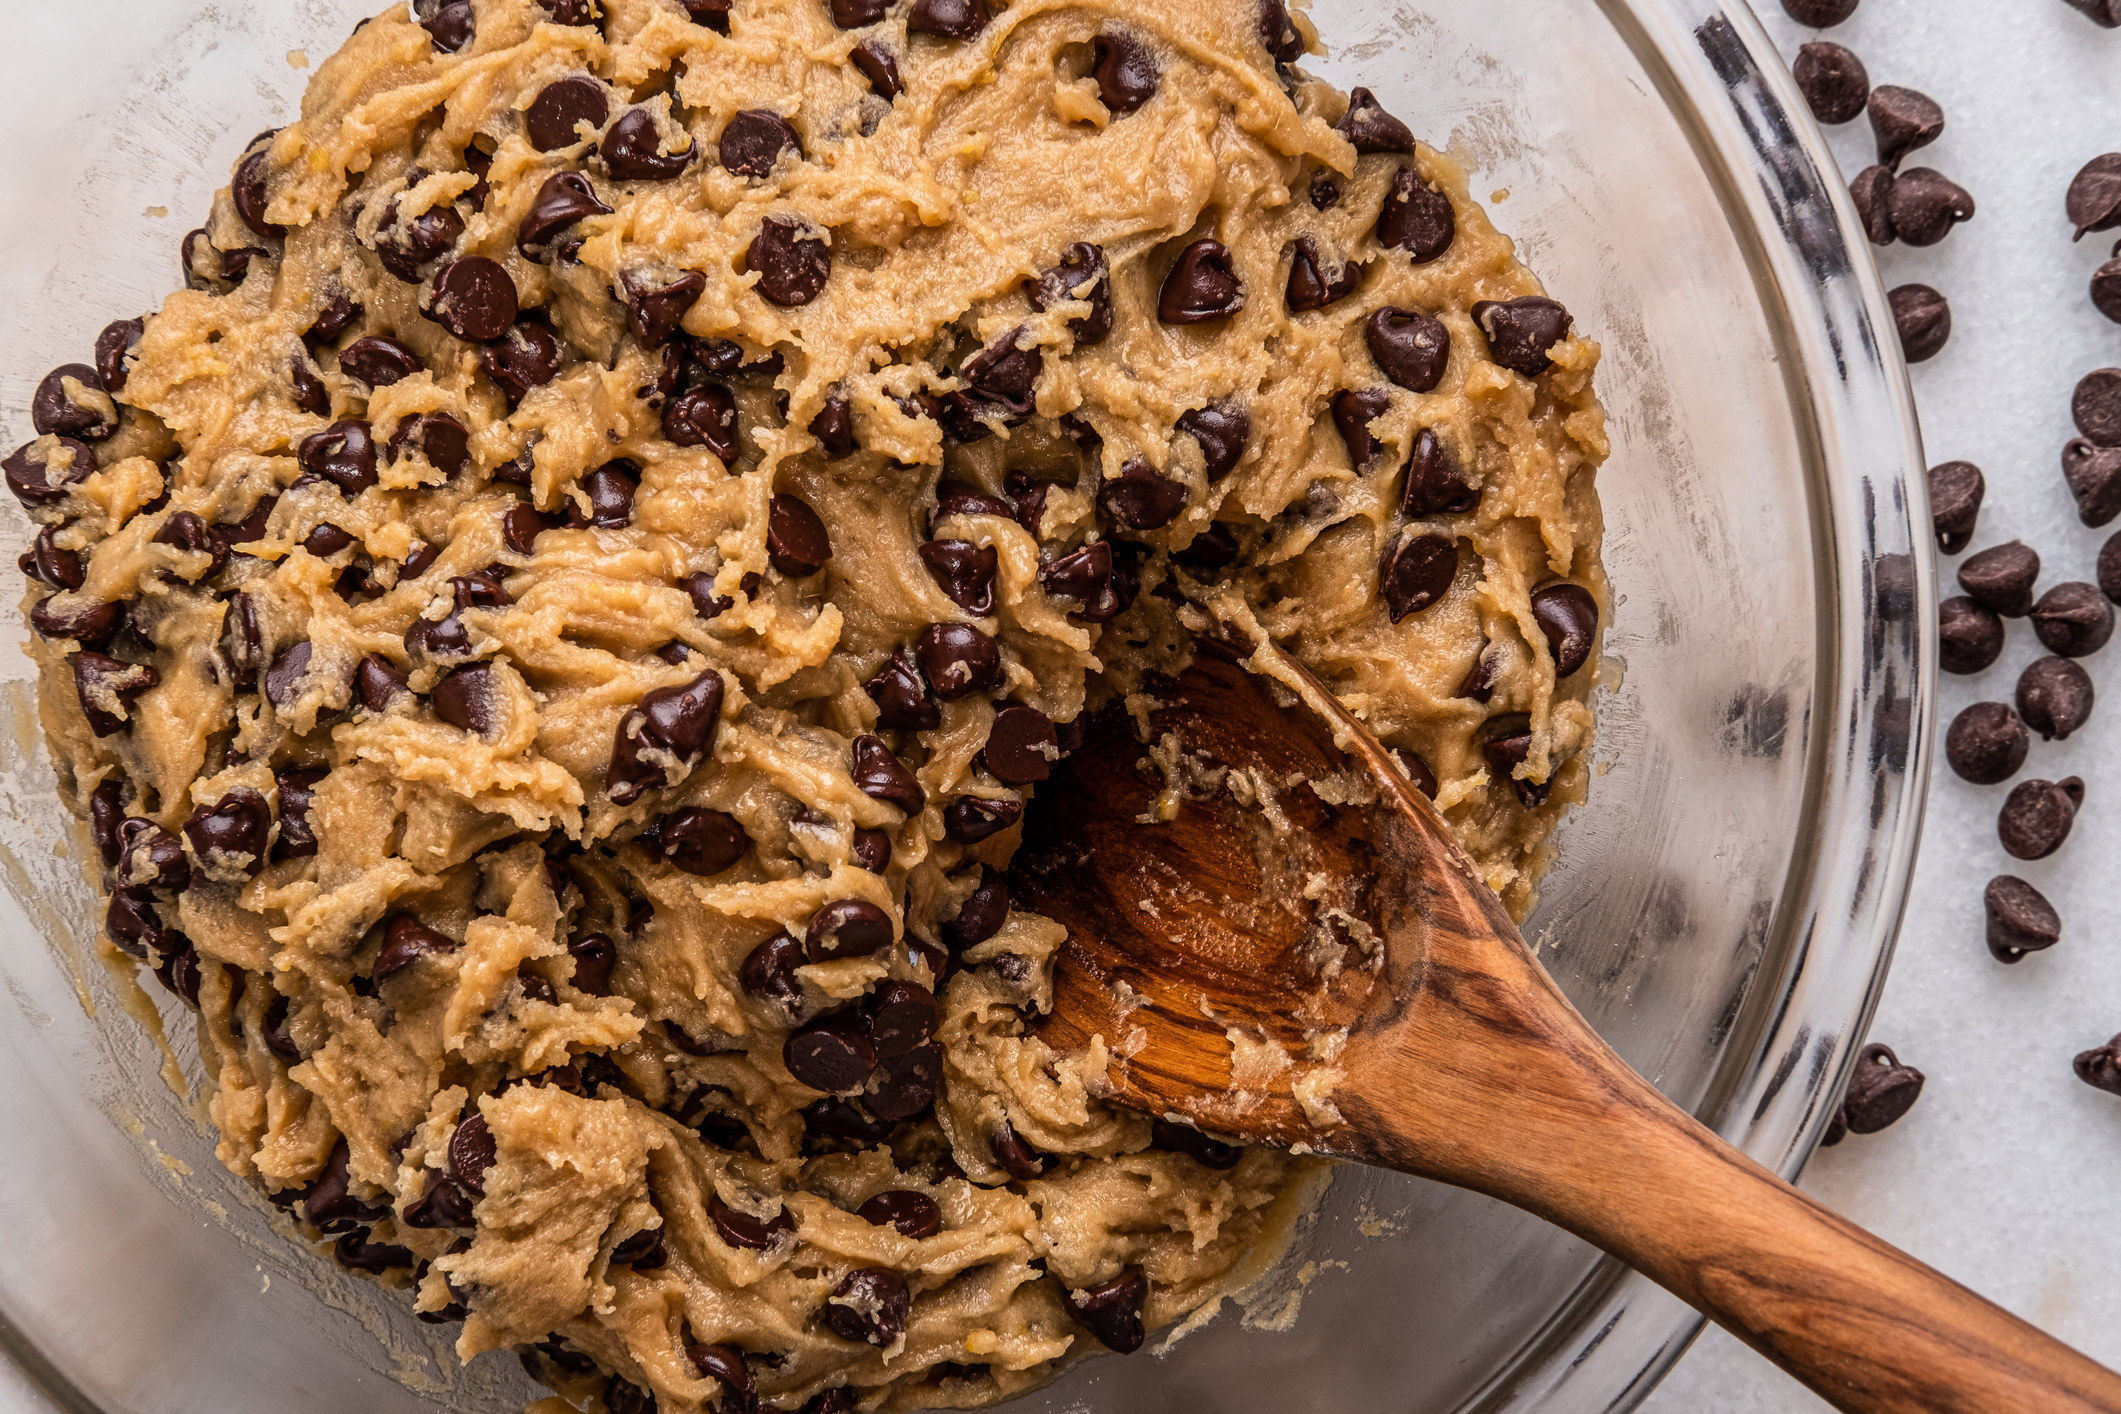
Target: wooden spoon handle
(1861, 1322)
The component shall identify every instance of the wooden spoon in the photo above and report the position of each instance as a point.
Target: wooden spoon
(1272, 967)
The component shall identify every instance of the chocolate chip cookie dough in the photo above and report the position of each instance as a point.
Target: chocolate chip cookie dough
(556, 629)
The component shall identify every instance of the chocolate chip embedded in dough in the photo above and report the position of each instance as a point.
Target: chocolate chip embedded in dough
(1213, 549)
(1410, 348)
(905, 1086)
(310, 394)
(466, 699)
(1568, 617)
(793, 266)
(113, 348)
(963, 571)
(339, 314)
(248, 193)
(230, 834)
(1872, 194)
(343, 454)
(1416, 771)
(871, 850)
(298, 837)
(1125, 71)
(834, 428)
(43, 471)
(2020, 919)
(1370, 128)
(1925, 205)
(1986, 743)
(957, 660)
(754, 140)
(948, 19)
(572, 12)
(2002, 578)
(1416, 218)
(92, 625)
(439, 437)
(408, 248)
(594, 956)
(1902, 120)
(704, 416)
(2036, 818)
(1833, 81)
(2095, 405)
(1969, 635)
(552, 117)
(1326, 191)
(1956, 490)
(207, 267)
(280, 1041)
(521, 525)
(443, 1205)
(472, 1153)
(901, 698)
(954, 498)
(982, 913)
(622, 1396)
(1354, 409)
(1203, 285)
(1416, 571)
(915, 1215)
(829, 1055)
(880, 775)
(1203, 1150)
(645, 1251)
(768, 973)
(1082, 274)
(610, 490)
(150, 860)
(438, 639)
(1012, 1155)
(1088, 576)
(564, 199)
(1223, 430)
(858, 14)
(186, 531)
(633, 149)
(473, 298)
(1506, 741)
(1433, 485)
(451, 26)
(70, 402)
(901, 1017)
(869, 1305)
(1005, 373)
(2073, 619)
(2094, 200)
(847, 928)
(1141, 498)
(1112, 1310)
(673, 726)
(797, 544)
(1021, 746)
(405, 941)
(134, 927)
(330, 1203)
(527, 356)
(379, 361)
(1278, 33)
(972, 818)
(1521, 333)
(2055, 697)
(106, 687)
(725, 1365)
(702, 842)
(1310, 286)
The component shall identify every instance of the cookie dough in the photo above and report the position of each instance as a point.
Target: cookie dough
(556, 628)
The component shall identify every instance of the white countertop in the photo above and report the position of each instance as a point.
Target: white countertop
(2003, 1175)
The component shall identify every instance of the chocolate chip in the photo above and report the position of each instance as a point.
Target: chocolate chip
(113, 347)
(1212, 549)
(106, 688)
(915, 1215)
(754, 140)
(1925, 204)
(451, 26)
(1202, 286)
(871, 850)
(1872, 194)
(466, 699)
(1140, 498)
(902, 700)
(229, 835)
(331, 1204)
(379, 362)
(1923, 319)
(834, 428)
(645, 1251)
(184, 531)
(858, 14)
(1021, 746)
(2036, 817)
(796, 542)
(1521, 332)
(1506, 742)
(92, 625)
(741, 1229)
(472, 1153)
(1125, 71)
(947, 19)
(2020, 919)
(964, 571)
(1416, 571)
(2109, 569)
(633, 149)
(1956, 489)
(133, 926)
(829, 1055)
(1409, 347)
(1880, 1090)
(702, 842)
(1223, 430)
(1416, 218)
(1112, 1310)
(1568, 617)
(972, 818)
(1012, 1155)
(594, 956)
(768, 973)
(42, 471)
(1370, 128)
(1833, 81)
(622, 1396)
(725, 1365)
(150, 860)
(902, 1016)
(1902, 120)
(473, 298)
(2054, 697)
(1184, 1139)
(870, 1304)
(211, 269)
(298, 837)
(443, 1205)
(1085, 576)
(610, 491)
(703, 417)
(791, 264)
(106, 807)
(2001, 578)
(338, 315)
(982, 913)
(2106, 287)
(439, 639)
(405, 941)
(1326, 192)
(566, 197)
(1434, 485)
(847, 928)
(521, 525)
(2073, 619)
(876, 64)
(310, 394)
(407, 248)
(904, 1086)
(239, 635)
(551, 119)
(1310, 286)
(957, 660)
(880, 775)
(1819, 14)
(2096, 406)
(527, 356)
(343, 454)
(2094, 201)
(655, 306)
(1986, 744)
(673, 726)
(1969, 635)
(444, 441)
(70, 402)
(1353, 411)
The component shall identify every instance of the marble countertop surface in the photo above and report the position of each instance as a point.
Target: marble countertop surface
(2002, 1174)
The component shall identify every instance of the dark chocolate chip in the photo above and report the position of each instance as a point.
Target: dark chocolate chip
(1923, 319)
(338, 315)
(702, 842)
(792, 265)
(1522, 332)
(2073, 619)
(972, 818)
(610, 490)
(1012, 1155)
(983, 912)
(703, 417)
(875, 63)
(830, 1055)
(150, 860)
(1416, 571)
(465, 699)
(441, 438)
(2020, 919)
(902, 1016)
(871, 850)
(343, 454)
(1184, 1139)
(1986, 743)
(1833, 81)
(2036, 818)
(1819, 14)
(81, 410)
(311, 396)
(1506, 741)
(645, 1251)
(1141, 498)
(1416, 218)
(2096, 406)
(2109, 569)
(1872, 194)
(451, 26)
(552, 116)
(1880, 1090)
(106, 807)
(133, 926)
(1902, 120)
(379, 361)
(915, 1215)
(473, 298)
(1409, 347)
(439, 639)
(90, 624)
(471, 1153)
(1005, 373)
(1326, 191)
(964, 571)
(834, 428)
(947, 19)
(405, 941)
(1315, 281)
(957, 660)
(1125, 71)
(230, 835)
(796, 542)
(1354, 409)
(407, 248)
(768, 973)
(901, 698)
(184, 531)
(2001, 578)
(858, 14)
(754, 140)
(1568, 617)
(904, 1086)
(527, 356)
(1926, 204)
(847, 928)
(2101, 1066)
(2054, 697)
(1434, 485)
(870, 1304)
(672, 726)
(633, 149)
(566, 197)
(42, 471)
(1021, 746)
(2106, 287)
(1969, 635)
(521, 526)
(1956, 489)
(114, 347)
(725, 1365)
(1112, 1310)
(2094, 201)
(443, 1205)
(106, 688)
(330, 1203)
(1370, 128)
(880, 775)
(1223, 430)
(655, 306)
(956, 499)
(594, 956)
(298, 837)
(1212, 549)
(1202, 286)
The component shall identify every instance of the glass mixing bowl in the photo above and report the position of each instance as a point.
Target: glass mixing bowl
(1722, 910)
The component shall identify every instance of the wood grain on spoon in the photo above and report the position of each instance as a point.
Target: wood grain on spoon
(1320, 965)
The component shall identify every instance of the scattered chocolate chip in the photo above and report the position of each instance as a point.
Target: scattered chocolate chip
(1521, 332)
(947, 19)
(438, 639)
(672, 726)
(42, 471)
(594, 956)
(1833, 81)
(70, 402)
(2054, 697)
(957, 660)
(1956, 489)
(1986, 743)
(343, 454)
(1969, 635)
(1923, 319)
(2109, 570)
(1012, 1155)
(957, 499)
(92, 625)
(229, 836)
(330, 1204)
(1925, 204)
(472, 1153)
(1125, 71)
(2001, 578)
(725, 1365)
(466, 699)
(1112, 1310)
(1021, 746)
(1416, 571)
(972, 818)
(1184, 1139)
(656, 306)
(106, 688)
(451, 27)
(633, 149)
(527, 356)
(405, 941)
(566, 197)
(310, 394)
(1880, 1090)
(1354, 409)
(1202, 286)
(796, 542)
(1902, 120)
(407, 248)
(150, 860)
(754, 140)
(298, 837)
(901, 698)
(964, 571)
(1141, 498)
(379, 362)
(2094, 201)
(876, 64)
(1212, 549)
(2037, 816)
(2106, 287)
(1872, 193)
(1506, 741)
(902, 1016)
(768, 973)
(834, 428)
(792, 265)
(521, 525)
(830, 1055)
(553, 115)
(2020, 919)
(2096, 406)
(184, 531)
(1087, 577)
(1819, 14)
(858, 14)
(880, 775)
(2073, 619)
(870, 1304)
(338, 315)
(113, 347)
(1434, 485)
(915, 1215)
(702, 842)
(133, 926)
(473, 298)
(1310, 286)
(439, 437)
(982, 913)
(1568, 617)
(610, 491)
(1409, 347)
(1223, 430)
(1416, 218)
(1005, 373)
(847, 928)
